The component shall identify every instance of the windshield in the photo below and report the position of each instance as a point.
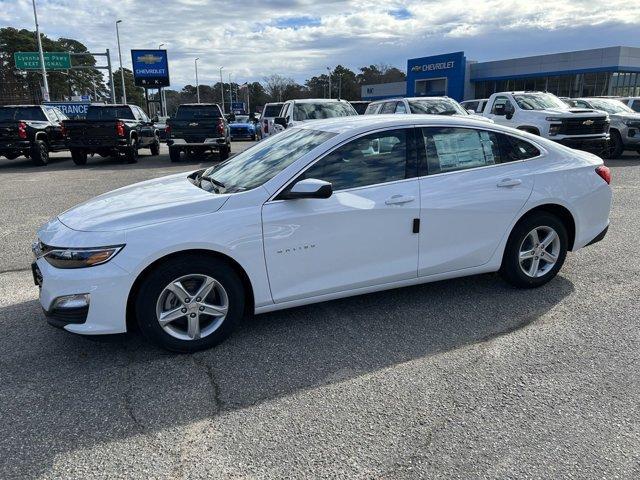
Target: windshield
(539, 101)
(609, 106)
(272, 110)
(318, 111)
(21, 113)
(109, 113)
(241, 119)
(265, 160)
(191, 112)
(437, 106)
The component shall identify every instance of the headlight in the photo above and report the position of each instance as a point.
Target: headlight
(78, 257)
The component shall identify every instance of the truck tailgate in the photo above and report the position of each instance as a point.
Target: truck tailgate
(195, 131)
(91, 132)
(8, 131)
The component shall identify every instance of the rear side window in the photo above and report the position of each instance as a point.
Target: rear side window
(192, 112)
(109, 113)
(514, 149)
(471, 106)
(22, 113)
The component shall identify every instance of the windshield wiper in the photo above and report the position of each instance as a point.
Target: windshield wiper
(212, 180)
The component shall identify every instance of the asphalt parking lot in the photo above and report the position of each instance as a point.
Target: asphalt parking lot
(466, 378)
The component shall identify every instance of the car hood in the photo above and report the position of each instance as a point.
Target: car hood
(571, 113)
(625, 116)
(145, 203)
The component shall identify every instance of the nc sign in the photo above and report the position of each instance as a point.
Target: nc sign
(150, 68)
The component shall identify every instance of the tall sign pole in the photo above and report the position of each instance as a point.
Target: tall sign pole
(44, 69)
(124, 90)
(221, 89)
(111, 85)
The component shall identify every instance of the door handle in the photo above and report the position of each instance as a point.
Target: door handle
(509, 182)
(399, 199)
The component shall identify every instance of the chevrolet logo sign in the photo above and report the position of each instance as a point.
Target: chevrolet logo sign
(149, 59)
(588, 123)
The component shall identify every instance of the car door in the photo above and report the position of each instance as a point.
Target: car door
(361, 236)
(474, 183)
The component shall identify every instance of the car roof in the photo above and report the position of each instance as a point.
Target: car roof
(318, 100)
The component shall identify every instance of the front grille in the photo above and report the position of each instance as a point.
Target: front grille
(583, 126)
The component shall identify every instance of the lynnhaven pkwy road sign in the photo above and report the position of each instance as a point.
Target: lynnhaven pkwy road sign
(52, 60)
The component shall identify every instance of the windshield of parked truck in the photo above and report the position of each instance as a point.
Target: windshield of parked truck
(109, 113)
(192, 112)
(262, 162)
(539, 101)
(609, 106)
(21, 113)
(437, 106)
(318, 111)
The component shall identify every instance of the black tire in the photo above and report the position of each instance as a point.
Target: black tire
(224, 152)
(155, 148)
(79, 157)
(174, 154)
(131, 153)
(615, 148)
(39, 153)
(154, 284)
(511, 269)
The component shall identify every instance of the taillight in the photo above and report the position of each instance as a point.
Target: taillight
(120, 128)
(604, 173)
(167, 130)
(64, 131)
(22, 130)
(220, 127)
(266, 126)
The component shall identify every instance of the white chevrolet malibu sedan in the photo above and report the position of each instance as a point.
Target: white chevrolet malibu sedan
(326, 210)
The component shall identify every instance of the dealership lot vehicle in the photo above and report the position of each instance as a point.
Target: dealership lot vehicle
(546, 115)
(190, 253)
(161, 126)
(625, 123)
(269, 113)
(631, 102)
(111, 130)
(476, 106)
(421, 105)
(294, 112)
(242, 127)
(197, 128)
(32, 131)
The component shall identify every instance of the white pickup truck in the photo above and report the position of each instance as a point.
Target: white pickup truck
(546, 115)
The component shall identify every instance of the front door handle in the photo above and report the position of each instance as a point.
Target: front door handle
(509, 182)
(399, 199)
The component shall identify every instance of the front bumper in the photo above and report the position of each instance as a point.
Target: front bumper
(589, 144)
(631, 136)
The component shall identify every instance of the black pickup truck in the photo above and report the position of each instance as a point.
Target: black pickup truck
(197, 128)
(111, 130)
(32, 131)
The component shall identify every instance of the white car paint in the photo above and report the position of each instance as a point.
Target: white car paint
(296, 252)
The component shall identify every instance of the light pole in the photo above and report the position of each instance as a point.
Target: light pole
(230, 95)
(124, 90)
(222, 89)
(163, 101)
(197, 85)
(44, 69)
(329, 70)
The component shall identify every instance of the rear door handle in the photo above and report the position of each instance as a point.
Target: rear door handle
(509, 182)
(399, 199)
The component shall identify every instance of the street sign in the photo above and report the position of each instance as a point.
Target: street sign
(52, 60)
(150, 68)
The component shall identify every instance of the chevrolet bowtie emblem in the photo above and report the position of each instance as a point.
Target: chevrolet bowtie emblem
(149, 59)
(588, 123)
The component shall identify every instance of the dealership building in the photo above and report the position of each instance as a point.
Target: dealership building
(595, 72)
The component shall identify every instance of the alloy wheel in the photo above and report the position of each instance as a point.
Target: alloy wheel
(539, 251)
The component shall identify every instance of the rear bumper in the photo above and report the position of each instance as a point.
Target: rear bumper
(94, 145)
(215, 142)
(599, 237)
(14, 146)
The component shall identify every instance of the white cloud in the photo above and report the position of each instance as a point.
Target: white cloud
(300, 38)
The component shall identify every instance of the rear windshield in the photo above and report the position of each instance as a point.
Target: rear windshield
(109, 113)
(272, 110)
(22, 113)
(318, 111)
(191, 112)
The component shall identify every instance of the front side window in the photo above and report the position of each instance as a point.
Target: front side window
(635, 106)
(502, 101)
(450, 149)
(265, 160)
(400, 108)
(376, 158)
(272, 110)
(318, 111)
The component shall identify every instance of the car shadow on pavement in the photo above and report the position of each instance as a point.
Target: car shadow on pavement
(60, 392)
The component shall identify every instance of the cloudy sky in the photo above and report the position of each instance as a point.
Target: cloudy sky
(300, 38)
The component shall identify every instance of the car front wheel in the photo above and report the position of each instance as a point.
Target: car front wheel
(535, 251)
(187, 304)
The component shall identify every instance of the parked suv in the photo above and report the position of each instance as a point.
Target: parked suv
(32, 131)
(111, 130)
(197, 128)
(421, 105)
(269, 113)
(625, 123)
(546, 115)
(294, 112)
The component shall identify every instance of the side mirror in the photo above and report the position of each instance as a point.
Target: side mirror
(509, 114)
(308, 188)
(280, 121)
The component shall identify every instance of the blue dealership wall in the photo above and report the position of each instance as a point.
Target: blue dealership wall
(450, 66)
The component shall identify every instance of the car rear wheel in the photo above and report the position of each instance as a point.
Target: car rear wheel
(39, 153)
(79, 157)
(535, 251)
(131, 154)
(189, 304)
(155, 148)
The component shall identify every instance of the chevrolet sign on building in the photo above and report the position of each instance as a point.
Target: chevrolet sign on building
(150, 68)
